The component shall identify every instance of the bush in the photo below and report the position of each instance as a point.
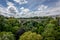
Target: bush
(6, 36)
(30, 36)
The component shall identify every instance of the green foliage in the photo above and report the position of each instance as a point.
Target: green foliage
(40, 29)
(6, 36)
(49, 31)
(57, 36)
(2, 22)
(49, 38)
(53, 21)
(30, 25)
(8, 24)
(48, 27)
(15, 29)
(13, 22)
(30, 36)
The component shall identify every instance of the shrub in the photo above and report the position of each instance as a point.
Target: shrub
(6, 36)
(30, 36)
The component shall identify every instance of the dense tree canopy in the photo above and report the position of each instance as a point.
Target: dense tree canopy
(48, 28)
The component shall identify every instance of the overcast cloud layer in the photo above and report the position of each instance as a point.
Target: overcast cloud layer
(29, 8)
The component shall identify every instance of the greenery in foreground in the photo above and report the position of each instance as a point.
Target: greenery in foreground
(48, 29)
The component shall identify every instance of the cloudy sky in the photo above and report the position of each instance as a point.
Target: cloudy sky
(29, 8)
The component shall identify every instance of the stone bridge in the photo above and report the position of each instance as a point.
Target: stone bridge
(22, 21)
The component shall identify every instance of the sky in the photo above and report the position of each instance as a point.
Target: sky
(29, 8)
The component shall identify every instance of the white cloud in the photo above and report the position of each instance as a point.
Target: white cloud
(42, 7)
(10, 4)
(27, 13)
(42, 10)
(3, 11)
(9, 11)
(24, 12)
(54, 10)
(21, 1)
(58, 3)
(12, 10)
(46, 11)
(24, 9)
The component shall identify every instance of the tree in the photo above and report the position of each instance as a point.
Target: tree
(15, 29)
(30, 25)
(40, 29)
(10, 24)
(49, 31)
(54, 21)
(2, 22)
(49, 38)
(13, 22)
(57, 31)
(6, 36)
(30, 36)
